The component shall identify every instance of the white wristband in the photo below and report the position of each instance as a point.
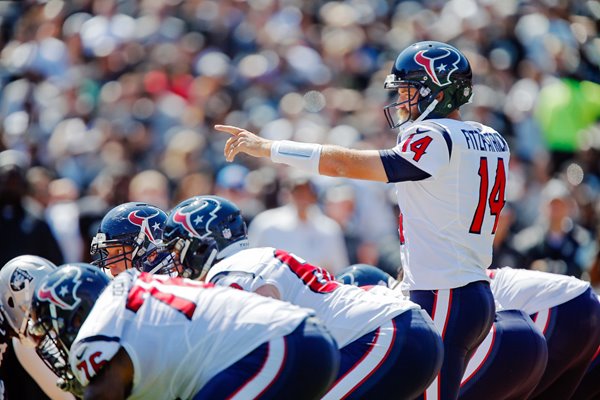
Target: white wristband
(304, 156)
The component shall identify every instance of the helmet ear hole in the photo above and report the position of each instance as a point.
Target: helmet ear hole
(11, 302)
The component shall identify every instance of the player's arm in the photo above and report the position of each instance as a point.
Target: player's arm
(114, 381)
(39, 371)
(246, 281)
(350, 163)
(268, 291)
(323, 159)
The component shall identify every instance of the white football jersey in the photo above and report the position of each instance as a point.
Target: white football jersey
(533, 291)
(178, 333)
(347, 311)
(450, 181)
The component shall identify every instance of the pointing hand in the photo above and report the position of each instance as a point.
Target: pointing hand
(243, 141)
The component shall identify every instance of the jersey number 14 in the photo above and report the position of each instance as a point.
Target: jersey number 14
(495, 199)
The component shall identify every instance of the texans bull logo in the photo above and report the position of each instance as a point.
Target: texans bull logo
(434, 63)
(142, 222)
(62, 292)
(19, 279)
(184, 218)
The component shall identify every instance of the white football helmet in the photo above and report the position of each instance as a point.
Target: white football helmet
(18, 279)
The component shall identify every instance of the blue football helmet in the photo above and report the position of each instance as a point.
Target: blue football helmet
(365, 275)
(136, 225)
(61, 303)
(201, 231)
(426, 69)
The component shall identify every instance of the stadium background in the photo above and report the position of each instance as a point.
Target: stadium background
(114, 100)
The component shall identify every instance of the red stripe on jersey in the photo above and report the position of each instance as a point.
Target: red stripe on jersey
(317, 279)
(137, 294)
(401, 227)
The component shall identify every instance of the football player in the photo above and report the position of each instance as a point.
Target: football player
(387, 345)
(450, 177)
(127, 237)
(494, 372)
(18, 278)
(513, 332)
(567, 312)
(143, 336)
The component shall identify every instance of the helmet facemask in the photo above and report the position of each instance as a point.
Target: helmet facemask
(133, 251)
(419, 96)
(49, 334)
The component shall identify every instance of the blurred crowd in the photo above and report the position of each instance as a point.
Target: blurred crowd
(108, 101)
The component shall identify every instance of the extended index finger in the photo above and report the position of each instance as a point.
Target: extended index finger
(233, 130)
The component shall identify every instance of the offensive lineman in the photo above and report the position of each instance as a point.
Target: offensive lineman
(388, 345)
(566, 311)
(514, 349)
(450, 177)
(145, 336)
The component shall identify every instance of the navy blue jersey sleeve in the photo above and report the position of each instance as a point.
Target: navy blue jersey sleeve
(398, 169)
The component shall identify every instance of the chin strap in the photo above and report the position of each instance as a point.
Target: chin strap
(207, 264)
(165, 262)
(427, 111)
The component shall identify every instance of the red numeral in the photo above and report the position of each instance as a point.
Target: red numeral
(496, 197)
(496, 200)
(317, 279)
(407, 142)
(483, 191)
(83, 366)
(137, 294)
(417, 147)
